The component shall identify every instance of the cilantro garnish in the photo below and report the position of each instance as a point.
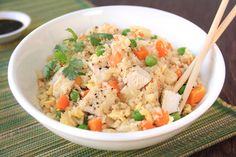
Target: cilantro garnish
(61, 47)
(79, 46)
(74, 36)
(73, 69)
(61, 57)
(49, 69)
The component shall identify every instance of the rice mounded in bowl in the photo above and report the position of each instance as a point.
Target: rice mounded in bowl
(115, 80)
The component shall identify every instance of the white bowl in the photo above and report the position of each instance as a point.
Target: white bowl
(18, 16)
(30, 56)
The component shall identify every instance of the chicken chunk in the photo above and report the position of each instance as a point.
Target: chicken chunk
(98, 101)
(60, 84)
(100, 68)
(170, 101)
(138, 78)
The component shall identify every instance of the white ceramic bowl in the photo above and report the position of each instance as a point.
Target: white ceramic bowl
(30, 56)
(18, 16)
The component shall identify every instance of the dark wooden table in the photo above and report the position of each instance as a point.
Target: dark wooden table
(201, 12)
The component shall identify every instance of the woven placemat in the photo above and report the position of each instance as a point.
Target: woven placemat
(21, 135)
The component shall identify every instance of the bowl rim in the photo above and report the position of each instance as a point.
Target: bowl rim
(25, 22)
(104, 136)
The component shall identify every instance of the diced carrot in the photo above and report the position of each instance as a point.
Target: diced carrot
(95, 124)
(178, 73)
(161, 48)
(78, 81)
(145, 125)
(196, 95)
(142, 53)
(162, 119)
(115, 59)
(141, 34)
(63, 102)
(84, 93)
(114, 84)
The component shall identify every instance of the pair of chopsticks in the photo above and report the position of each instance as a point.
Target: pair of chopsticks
(213, 35)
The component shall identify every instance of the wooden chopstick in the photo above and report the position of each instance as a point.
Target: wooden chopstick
(219, 32)
(201, 56)
(229, 18)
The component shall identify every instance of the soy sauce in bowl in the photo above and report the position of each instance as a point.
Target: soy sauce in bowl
(9, 25)
(12, 25)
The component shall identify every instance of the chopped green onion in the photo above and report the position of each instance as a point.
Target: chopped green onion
(96, 38)
(181, 90)
(79, 46)
(103, 36)
(137, 116)
(154, 37)
(58, 114)
(150, 61)
(175, 115)
(100, 50)
(74, 95)
(181, 50)
(125, 31)
(83, 126)
(133, 43)
(94, 41)
(85, 119)
(139, 38)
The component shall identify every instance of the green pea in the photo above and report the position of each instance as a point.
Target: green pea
(83, 126)
(181, 90)
(175, 115)
(100, 50)
(154, 37)
(137, 116)
(133, 43)
(181, 50)
(74, 95)
(125, 31)
(150, 61)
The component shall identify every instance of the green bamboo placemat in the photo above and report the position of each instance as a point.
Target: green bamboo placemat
(21, 135)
